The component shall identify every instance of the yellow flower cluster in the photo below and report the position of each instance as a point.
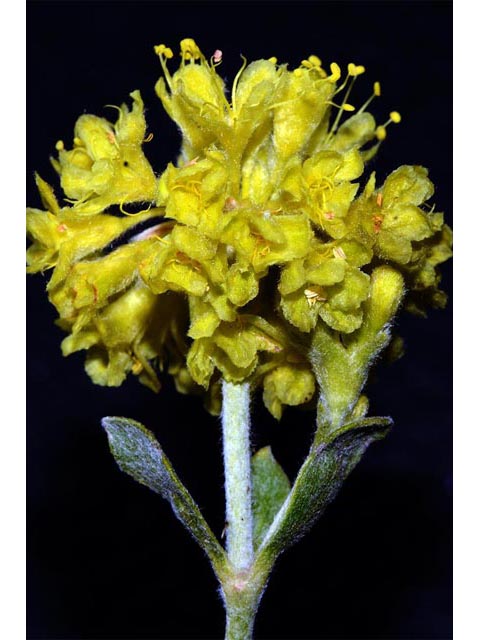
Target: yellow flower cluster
(258, 233)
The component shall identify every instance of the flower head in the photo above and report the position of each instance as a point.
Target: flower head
(259, 233)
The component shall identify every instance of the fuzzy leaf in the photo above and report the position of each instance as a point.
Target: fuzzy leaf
(270, 488)
(318, 482)
(138, 454)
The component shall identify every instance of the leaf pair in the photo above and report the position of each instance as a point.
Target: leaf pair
(281, 515)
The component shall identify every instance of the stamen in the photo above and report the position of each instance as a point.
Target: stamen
(216, 59)
(355, 70)
(59, 146)
(189, 50)
(273, 60)
(120, 114)
(136, 213)
(164, 53)
(235, 83)
(313, 295)
(344, 107)
(162, 50)
(381, 131)
(312, 62)
(375, 94)
(338, 252)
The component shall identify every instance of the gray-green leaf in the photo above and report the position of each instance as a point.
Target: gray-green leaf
(138, 453)
(270, 487)
(318, 482)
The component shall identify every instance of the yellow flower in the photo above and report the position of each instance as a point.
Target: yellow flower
(127, 334)
(61, 237)
(251, 245)
(106, 164)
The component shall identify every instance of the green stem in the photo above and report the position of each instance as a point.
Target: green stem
(242, 598)
(238, 485)
(240, 586)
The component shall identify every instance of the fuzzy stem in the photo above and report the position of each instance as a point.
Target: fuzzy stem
(238, 489)
(241, 604)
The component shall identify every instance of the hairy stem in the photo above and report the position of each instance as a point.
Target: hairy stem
(238, 486)
(242, 596)
(241, 586)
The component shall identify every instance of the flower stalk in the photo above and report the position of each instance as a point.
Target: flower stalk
(238, 483)
(240, 595)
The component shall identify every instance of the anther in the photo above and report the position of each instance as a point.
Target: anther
(313, 62)
(162, 50)
(314, 295)
(395, 117)
(230, 204)
(190, 50)
(355, 70)
(335, 73)
(381, 132)
(377, 223)
(343, 107)
(137, 367)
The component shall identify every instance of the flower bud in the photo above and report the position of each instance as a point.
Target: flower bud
(386, 292)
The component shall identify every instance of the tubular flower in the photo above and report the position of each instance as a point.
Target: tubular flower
(256, 237)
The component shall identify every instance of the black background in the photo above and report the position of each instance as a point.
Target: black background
(107, 559)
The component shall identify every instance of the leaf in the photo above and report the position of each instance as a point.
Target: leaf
(270, 487)
(318, 482)
(138, 454)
